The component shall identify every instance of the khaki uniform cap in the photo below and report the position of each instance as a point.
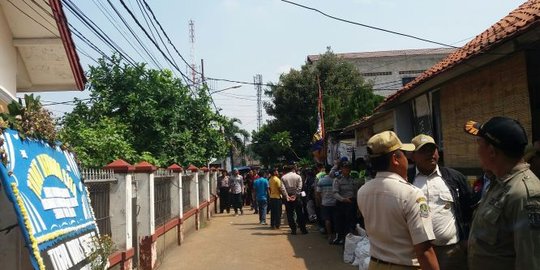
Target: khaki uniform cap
(422, 140)
(386, 142)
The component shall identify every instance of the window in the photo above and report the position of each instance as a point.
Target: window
(411, 72)
(373, 74)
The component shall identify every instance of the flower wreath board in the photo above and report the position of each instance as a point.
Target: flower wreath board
(51, 203)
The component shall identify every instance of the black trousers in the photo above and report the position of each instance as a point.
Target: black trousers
(275, 212)
(236, 200)
(292, 208)
(346, 218)
(224, 202)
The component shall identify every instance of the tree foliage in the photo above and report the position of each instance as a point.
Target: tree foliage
(139, 113)
(346, 98)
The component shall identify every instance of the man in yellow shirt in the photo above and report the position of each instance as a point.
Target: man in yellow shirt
(275, 199)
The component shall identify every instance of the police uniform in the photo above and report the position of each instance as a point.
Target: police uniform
(505, 232)
(397, 217)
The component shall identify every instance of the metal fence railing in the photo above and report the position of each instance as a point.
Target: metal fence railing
(99, 185)
(186, 192)
(100, 201)
(213, 183)
(162, 196)
(202, 193)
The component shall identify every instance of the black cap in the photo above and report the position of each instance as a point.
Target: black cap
(504, 133)
(345, 164)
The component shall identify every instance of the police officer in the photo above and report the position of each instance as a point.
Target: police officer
(395, 212)
(505, 232)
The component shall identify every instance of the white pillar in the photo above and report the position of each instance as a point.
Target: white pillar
(145, 198)
(144, 173)
(120, 210)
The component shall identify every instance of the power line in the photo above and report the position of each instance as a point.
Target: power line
(152, 57)
(115, 24)
(369, 26)
(26, 14)
(154, 42)
(146, 15)
(96, 30)
(68, 102)
(182, 57)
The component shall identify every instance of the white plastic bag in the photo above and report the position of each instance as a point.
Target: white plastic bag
(364, 265)
(350, 245)
(361, 253)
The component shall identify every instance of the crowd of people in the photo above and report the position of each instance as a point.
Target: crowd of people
(323, 196)
(416, 213)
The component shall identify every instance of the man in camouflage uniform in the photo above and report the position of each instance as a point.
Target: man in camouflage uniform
(505, 232)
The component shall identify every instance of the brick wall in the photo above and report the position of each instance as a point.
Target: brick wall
(499, 89)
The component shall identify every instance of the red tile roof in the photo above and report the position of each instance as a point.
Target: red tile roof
(517, 22)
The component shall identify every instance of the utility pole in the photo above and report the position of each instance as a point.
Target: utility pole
(192, 68)
(257, 80)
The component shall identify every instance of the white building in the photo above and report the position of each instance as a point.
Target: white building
(36, 50)
(388, 71)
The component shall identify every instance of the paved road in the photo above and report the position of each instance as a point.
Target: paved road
(230, 242)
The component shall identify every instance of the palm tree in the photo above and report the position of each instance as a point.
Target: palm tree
(234, 136)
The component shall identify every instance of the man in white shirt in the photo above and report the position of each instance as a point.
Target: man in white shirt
(291, 188)
(449, 200)
(395, 212)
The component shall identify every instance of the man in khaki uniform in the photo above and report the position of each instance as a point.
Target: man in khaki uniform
(505, 232)
(395, 212)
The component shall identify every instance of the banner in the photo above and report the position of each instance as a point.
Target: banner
(317, 141)
(50, 201)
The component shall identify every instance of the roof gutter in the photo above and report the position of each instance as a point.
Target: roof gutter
(69, 45)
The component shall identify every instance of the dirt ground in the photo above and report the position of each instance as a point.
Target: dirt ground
(230, 242)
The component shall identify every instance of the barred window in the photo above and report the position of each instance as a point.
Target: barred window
(411, 71)
(373, 74)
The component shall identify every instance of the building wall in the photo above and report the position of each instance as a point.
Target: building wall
(384, 123)
(8, 64)
(384, 72)
(498, 89)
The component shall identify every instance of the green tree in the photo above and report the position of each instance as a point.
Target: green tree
(346, 97)
(266, 148)
(234, 136)
(150, 111)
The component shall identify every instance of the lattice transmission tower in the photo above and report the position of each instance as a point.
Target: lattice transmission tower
(257, 80)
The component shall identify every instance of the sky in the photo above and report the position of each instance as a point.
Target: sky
(241, 38)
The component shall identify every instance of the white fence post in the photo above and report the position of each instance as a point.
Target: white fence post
(144, 173)
(194, 193)
(121, 208)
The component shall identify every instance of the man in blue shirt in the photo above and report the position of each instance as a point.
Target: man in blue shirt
(261, 192)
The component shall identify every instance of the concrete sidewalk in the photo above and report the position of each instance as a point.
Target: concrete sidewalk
(230, 242)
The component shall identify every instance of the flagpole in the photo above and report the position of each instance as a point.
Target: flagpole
(321, 115)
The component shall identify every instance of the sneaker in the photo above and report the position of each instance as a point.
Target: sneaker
(304, 231)
(263, 223)
(338, 241)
